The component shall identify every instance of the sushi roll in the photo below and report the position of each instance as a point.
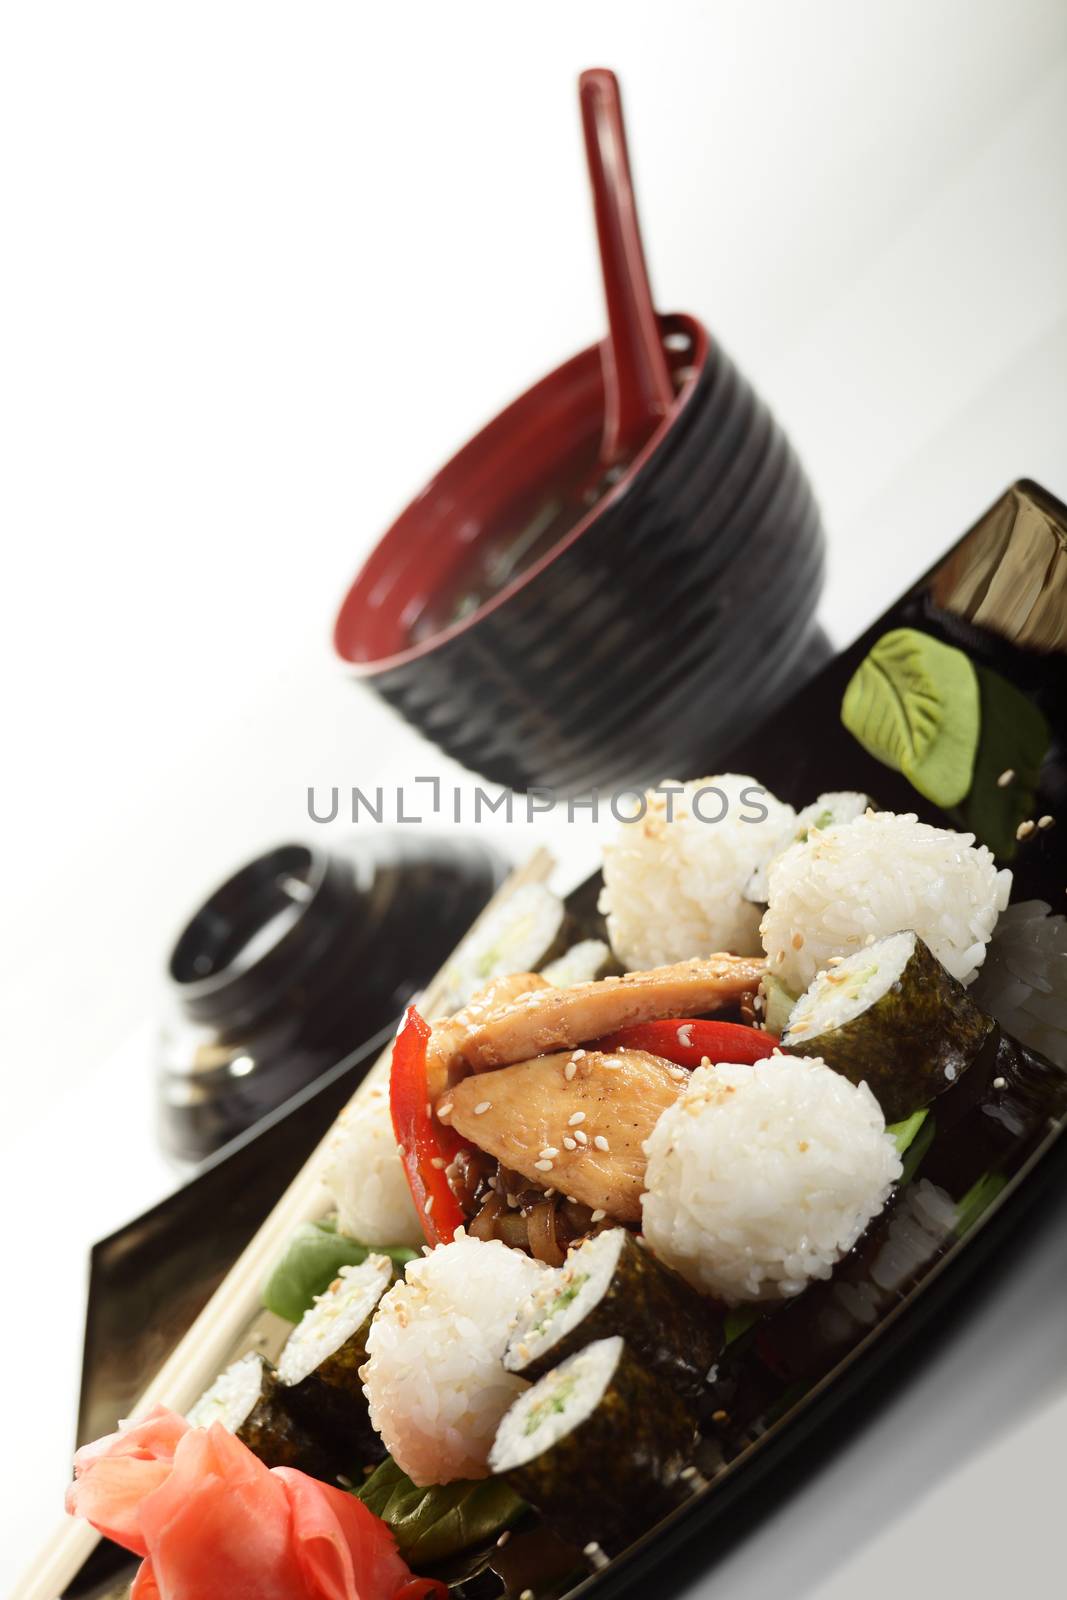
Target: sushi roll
(610, 1285)
(585, 962)
(597, 1445)
(318, 1369)
(530, 928)
(892, 1017)
(245, 1399)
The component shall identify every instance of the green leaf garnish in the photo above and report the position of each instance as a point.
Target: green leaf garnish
(979, 1198)
(738, 1321)
(1015, 738)
(430, 1525)
(913, 704)
(903, 1133)
(312, 1259)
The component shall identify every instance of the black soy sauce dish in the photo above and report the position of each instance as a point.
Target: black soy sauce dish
(1000, 593)
(295, 960)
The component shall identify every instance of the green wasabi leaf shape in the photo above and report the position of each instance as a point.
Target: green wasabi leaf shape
(430, 1525)
(311, 1261)
(913, 704)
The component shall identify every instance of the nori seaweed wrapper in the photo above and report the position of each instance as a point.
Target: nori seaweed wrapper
(615, 1472)
(673, 1331)
(910, 1045)
(330, 1401)
(277, 1438)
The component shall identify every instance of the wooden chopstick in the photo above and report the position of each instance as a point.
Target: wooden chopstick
(201, 1354)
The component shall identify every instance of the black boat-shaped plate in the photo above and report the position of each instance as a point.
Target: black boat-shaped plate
(1000, 594)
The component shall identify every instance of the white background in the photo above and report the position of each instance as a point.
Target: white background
(262, 268)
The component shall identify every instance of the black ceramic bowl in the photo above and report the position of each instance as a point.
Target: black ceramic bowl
(674, 615)
(296, 959)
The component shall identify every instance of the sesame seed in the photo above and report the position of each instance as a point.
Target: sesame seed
(578, 1055)
(429, 1111)
(950, 1073)
(797, 941)
(569, 1143)
(527, 1594)
(444, 1110)
(1000, 1083)
(581, 1136)
(543, 1166)
(1046, 821)
(549, 1193)
(569, 1070)
(574, 1118)
(1024, 830)
(595, 1553)
(779, 958)
(504, 1537)
(598, 1215)
(428, 1207)
(685, 1035)
(482, 1107)
(688, 1472)
(835, 961)
(678, 1072)
(601, 1143)
(439, 1162)
(720, 1416)
(548, 1152)
(1005, 778)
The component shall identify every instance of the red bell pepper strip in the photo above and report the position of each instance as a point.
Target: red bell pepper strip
(688, 1040)
(426, 1145)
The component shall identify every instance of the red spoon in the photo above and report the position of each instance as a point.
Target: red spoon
(638, 392)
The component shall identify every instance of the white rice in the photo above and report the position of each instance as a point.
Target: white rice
(676, 889)
(233, 1395)
(435, 1378)
(584, 962)
(516, 937)
(836, 806)
(556, 1405)
(848, 885)
(842, 993)
(334, 1318)
(761, 1177)
(565, 1297)
(365, 1177)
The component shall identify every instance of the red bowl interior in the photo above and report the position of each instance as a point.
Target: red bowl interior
(551, 429)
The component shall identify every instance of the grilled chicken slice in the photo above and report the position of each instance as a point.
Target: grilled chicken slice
(444, 1057)
(604, 1106)
(545, 1019)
